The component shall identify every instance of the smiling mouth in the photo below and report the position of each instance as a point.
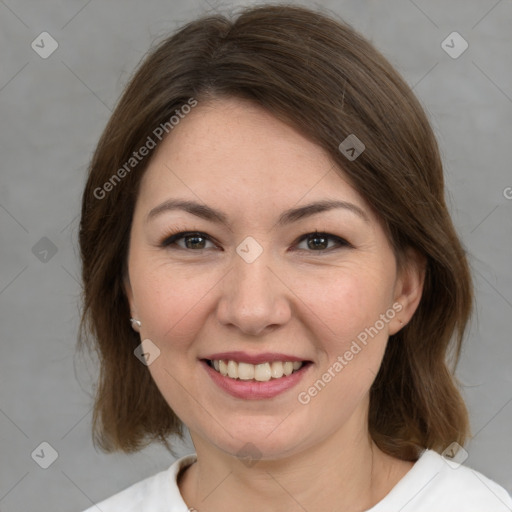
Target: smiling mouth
(256, 372)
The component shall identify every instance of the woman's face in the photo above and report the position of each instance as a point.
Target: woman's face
(260, 283)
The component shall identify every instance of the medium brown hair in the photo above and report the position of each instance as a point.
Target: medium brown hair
(317, 74)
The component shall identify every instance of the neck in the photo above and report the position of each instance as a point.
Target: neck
(342, 473)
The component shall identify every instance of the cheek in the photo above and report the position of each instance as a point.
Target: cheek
(351, 340)
(349, 301)
(351, 337)
(172, 305)
(174, 308)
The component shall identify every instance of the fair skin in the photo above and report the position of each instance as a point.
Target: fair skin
(199, 297)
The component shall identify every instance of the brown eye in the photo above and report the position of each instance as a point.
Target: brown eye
(193, 240)
(318, 242)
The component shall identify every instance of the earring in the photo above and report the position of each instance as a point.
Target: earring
(136, 324)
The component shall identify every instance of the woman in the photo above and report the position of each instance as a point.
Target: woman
(268, 259)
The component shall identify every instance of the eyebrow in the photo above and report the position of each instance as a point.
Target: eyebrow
(287, 217)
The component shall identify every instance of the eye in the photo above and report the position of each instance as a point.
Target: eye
(319, 242)
(194, 240)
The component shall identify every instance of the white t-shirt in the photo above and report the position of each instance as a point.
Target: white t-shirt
(431, 485)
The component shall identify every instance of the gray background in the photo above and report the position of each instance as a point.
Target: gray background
(52, 113)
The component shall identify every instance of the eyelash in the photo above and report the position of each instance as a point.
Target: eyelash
(171, 239)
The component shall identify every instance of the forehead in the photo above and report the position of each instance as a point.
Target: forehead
(232, 152)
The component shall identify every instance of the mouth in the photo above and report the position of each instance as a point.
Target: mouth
(261, 381)
(262, 372)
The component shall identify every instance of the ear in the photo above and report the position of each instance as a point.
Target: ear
(408, 288)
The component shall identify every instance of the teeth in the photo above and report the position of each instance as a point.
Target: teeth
(245, 371)
(288, 368)
(276, 369)
(232, 370)
(260, 372)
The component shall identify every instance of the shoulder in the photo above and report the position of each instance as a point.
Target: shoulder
(435, 483)
(157, 493)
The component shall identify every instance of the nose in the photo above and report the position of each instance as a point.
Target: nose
(254, 298)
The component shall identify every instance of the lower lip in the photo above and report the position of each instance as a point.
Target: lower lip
(254, 390)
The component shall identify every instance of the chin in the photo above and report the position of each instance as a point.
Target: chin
(263, 442)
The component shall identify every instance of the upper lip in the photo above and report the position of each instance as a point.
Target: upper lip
(244, 357)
